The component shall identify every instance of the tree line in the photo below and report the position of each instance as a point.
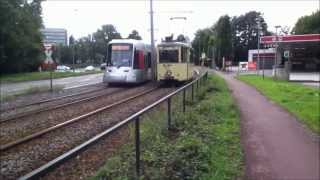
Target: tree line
(21, 39)
(232, 37)
(91, 49)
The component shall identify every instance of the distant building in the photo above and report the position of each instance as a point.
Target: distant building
(266, 57)
(54, 36)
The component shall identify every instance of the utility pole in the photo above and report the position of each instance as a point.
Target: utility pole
(73, 54)
(258, 67)
(153, 57)
(263, 65)
(276, 54)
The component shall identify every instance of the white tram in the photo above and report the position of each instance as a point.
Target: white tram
(128, 61)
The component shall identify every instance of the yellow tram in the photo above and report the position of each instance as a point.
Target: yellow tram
(174, 61)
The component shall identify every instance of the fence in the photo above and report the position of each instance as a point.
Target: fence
(195, 85)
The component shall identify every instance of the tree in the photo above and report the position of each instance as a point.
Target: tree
(71, 40)
(245, 33)
(215, 40)
(308, 24)
(200, 44)
(20, 38)
(134, 35)
(223, 39)
(101, 39)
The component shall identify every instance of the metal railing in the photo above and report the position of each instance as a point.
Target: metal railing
(37, 173)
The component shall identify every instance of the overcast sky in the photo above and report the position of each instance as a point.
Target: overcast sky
(81, 18)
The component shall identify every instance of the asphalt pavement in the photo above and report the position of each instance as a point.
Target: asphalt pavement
(276, 145)
(69, 82)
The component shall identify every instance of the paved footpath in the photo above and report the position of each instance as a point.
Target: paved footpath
(275, 144)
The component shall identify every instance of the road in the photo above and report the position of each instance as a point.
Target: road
(12, 88)
(276, 145)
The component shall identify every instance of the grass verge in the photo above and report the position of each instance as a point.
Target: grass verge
(20, 77)
(298, 99)
(30, 90)
(203, 143)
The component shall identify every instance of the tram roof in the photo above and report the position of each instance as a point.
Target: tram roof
(170, 44)
(129, 41)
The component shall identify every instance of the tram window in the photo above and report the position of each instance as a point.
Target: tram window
(136, 60)
(149, 60)
(184, 54)
(167, 56)
(191, 56)
(120, 55)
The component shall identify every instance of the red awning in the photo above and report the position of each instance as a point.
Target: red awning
(290, 38)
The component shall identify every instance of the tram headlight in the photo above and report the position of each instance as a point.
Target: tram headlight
(132, 77)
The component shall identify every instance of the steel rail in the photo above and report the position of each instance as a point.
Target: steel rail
(48, 100)
(28, 113)
(37, 173)
(60, 125)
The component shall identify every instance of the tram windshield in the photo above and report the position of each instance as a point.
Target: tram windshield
(120, 55)
(168, 55)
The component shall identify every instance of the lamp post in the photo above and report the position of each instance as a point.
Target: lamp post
(276, 54)
(153, 57)
(258, 28)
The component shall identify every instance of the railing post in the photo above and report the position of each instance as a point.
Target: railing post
(184, 100)
(197, 85)
(169, 113)
(137, 142)
(192, 92)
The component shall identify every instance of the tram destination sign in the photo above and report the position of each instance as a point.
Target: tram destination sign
(120, 47)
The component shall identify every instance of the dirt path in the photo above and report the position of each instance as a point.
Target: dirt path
(275, 144)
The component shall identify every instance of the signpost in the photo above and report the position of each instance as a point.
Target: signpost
(48, 52)
(286, 54)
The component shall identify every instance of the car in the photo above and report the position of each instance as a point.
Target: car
(89, 68)
(63, 68)
(103, 66)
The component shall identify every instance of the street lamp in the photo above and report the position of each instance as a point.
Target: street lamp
(258, 28)
(153, 57)
(276, 55)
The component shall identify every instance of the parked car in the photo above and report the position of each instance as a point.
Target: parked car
(89, 68)
(63, 68)
(103, 66)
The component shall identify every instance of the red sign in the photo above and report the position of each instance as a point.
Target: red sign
(252, 65)
(290, 38)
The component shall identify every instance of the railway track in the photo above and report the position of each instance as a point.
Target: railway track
(89, 96)
(22, 105)
(21, 147)
(73, 120)
(65, 100)
(30, 124)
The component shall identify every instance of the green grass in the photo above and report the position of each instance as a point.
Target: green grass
(298, 99)
(19, 77)
(204, 143)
